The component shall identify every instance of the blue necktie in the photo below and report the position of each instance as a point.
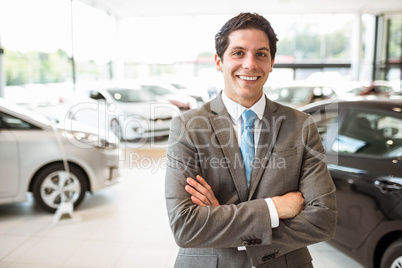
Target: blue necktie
(247, 142)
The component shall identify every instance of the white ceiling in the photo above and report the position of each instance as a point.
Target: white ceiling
(132, 8)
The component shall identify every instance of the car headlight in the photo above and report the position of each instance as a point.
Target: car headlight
(86, 139)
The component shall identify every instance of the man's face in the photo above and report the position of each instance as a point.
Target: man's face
(246, 65)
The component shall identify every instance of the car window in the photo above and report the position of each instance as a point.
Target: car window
(324, 119)
(157, 90)
(383, 89)
(96, 95)
(10, 122)
(371, 133)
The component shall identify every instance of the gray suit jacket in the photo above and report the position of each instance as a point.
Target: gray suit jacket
(290, 157)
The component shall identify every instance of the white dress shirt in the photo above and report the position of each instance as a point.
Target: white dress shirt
(235, 110)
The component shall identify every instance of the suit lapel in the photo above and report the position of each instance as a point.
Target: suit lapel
(223, 128)
(271, 124)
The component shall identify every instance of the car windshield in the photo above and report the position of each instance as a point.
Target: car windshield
(21, 110)
(157, 90)
(130, 95)
(294, 95)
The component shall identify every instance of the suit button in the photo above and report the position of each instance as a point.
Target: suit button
(268, 257)
(244, 243)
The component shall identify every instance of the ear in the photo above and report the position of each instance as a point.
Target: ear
(272, 64)
(218, 63)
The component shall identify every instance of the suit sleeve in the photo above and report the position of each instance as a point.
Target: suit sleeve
(234, 224)
(206, 227)
(317, 222)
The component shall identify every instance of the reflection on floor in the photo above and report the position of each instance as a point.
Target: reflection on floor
(122, 226)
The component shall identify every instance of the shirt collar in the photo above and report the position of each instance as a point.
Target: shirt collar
(235, 109)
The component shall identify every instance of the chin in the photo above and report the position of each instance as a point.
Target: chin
(251, 94)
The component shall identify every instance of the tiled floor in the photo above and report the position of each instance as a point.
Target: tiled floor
(121, 226)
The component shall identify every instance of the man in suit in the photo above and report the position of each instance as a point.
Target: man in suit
(225, 210)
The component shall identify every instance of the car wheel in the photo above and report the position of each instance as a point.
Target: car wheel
(54, 185)
(392, 257)
(116, 129)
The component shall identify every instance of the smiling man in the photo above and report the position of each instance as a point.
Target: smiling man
(245, 65)
(247, 183)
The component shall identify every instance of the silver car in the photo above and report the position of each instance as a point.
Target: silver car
(166, 91)
(127, 111)
(55, 163)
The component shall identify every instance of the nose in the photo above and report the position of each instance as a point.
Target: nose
(250, 62)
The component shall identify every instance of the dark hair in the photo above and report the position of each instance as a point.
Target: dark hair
(241, 22)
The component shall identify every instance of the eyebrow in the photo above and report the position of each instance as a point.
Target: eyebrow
(259, 49)
(264, 49)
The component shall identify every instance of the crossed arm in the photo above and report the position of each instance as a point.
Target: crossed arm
(199, 220)
(288, 205)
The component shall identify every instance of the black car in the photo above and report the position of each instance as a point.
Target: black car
(363, 142)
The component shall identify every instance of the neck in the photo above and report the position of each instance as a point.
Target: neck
(244, 101)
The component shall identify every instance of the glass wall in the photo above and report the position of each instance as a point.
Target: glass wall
(94, 43)
(393, 50)
(65, 43)
(386, 61)
(308, 39)
(52, 45)
(313, 38)
(36, 39)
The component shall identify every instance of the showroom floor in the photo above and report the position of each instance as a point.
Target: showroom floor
(121, 226)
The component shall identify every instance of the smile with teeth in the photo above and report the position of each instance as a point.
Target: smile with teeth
(248, 78)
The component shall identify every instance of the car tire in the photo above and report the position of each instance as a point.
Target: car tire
(49, 191)
(392, 257)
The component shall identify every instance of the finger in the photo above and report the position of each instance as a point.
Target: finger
(199, 187)
(204, 193)
(197, 201)
(212, 199)
(202, 181)
(196, 194)
(204, 184)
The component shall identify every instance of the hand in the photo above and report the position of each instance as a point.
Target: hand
(201, 193)
(289, 205)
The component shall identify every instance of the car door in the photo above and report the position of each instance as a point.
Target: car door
(364, 159)
(9, 159)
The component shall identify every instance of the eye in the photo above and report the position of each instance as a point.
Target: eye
(238, 53)
(261, 54)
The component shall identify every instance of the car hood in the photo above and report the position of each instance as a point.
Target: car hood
(151, 110)
(73, 125)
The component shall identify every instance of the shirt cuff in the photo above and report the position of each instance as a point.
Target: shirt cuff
(273, 213)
